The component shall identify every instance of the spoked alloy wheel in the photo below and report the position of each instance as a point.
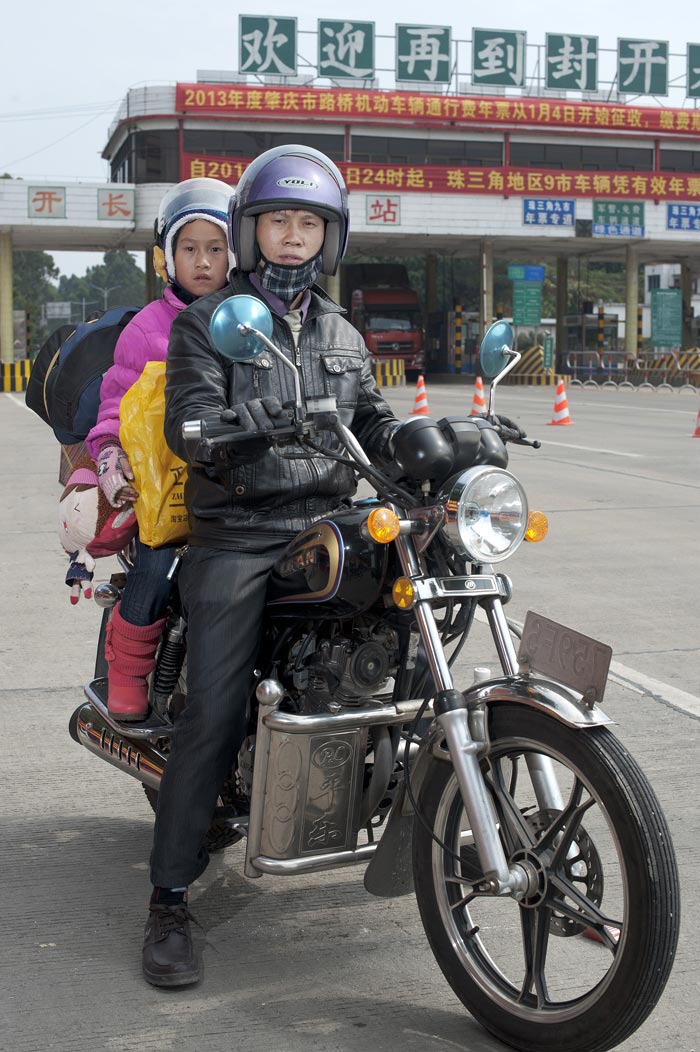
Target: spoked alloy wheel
(602, 865)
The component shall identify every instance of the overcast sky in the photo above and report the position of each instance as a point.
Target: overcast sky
(65, 68)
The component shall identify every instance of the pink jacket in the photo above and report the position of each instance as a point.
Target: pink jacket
(145, 339)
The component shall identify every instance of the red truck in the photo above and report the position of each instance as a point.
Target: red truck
(385, 309)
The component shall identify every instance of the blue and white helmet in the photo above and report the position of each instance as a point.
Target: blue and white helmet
(291, 176)
(192, 199)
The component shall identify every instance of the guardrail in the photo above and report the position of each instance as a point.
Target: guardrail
(584, 367)
(617, 368)
(668, 372)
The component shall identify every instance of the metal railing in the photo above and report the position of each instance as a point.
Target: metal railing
(675, 371)
(584, 366)
(617, 368)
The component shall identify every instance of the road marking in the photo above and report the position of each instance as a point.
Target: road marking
(589, 449)
(17, 400)
(597, 405)
(649, 408)
(637, 681)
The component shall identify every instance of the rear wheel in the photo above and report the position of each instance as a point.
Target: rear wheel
(605, 868)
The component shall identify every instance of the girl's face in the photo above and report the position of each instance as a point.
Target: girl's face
(290, 236)
(201, 257)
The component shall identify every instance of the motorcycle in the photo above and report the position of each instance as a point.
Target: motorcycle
(541, 861)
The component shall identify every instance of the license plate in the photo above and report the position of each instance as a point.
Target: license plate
(561, 654)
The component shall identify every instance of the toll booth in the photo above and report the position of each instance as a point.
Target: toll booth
(583, 333)
(591, 342)
(459, 342)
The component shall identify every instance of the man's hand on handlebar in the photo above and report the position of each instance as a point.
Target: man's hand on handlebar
(239, 435)
(258, 414)
(512, 432)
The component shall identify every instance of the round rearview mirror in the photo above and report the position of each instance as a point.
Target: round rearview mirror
(495, 347)
(230, 324)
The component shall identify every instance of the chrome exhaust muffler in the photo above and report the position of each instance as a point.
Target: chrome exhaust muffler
(136, 755)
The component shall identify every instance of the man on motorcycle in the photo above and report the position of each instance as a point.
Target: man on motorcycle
(288, 222)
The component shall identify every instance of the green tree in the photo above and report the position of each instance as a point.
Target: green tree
(33, 274)
(117, 281)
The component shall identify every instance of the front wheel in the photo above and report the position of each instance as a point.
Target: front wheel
(580, 964)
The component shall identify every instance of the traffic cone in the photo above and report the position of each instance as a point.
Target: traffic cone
(420, 406)
(561, 406)
(478, 402)
(696, 432)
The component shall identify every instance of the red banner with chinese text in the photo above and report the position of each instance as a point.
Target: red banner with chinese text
(504, 182)
(396, 107)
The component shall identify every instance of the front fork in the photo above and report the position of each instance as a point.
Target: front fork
(452, 714)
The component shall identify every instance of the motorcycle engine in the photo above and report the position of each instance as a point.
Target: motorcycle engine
(345, 670)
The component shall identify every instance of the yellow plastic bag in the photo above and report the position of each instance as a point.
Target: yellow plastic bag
(159, 475)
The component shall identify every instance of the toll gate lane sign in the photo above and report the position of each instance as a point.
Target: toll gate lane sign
(527, 302)
(683, 217)
(548, 211)
(666, 317)
(618, 219)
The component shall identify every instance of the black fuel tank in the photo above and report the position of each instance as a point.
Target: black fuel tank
(328, 570)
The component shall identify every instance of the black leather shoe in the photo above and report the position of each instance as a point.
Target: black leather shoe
(168, 953)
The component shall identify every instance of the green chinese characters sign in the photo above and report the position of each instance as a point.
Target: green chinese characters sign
(267, 45)
(423, 53)
(642, 67)
(527, 302)
(548, 353)
(498, 57)
(618, 218)
(571, 62)
(666, 317)
(693, 82)
(346, 50)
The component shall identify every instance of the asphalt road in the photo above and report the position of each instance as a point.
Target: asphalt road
(314, 963)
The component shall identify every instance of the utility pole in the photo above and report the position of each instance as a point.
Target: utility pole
(105, 291)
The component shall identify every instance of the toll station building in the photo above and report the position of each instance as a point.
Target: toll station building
(438, 169)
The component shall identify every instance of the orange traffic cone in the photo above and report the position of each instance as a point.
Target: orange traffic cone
(696, 432)
(478, 402)
(420, 406)
(561, 406)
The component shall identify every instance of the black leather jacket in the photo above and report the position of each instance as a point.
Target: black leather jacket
(280, 492)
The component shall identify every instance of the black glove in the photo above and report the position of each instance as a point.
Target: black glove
(259, 414)
(506, 422)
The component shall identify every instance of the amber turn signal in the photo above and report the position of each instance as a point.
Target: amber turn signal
(402, 593)
(537, 526)
(383, 525)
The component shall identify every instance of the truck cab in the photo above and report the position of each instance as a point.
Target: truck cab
(386, 311)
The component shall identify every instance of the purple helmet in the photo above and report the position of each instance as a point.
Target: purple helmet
(289, 177)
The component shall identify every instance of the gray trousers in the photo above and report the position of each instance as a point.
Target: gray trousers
(223, 598)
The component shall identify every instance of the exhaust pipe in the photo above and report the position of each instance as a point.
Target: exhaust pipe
(136, 756)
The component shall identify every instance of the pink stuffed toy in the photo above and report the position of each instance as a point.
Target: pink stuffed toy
(89, 529)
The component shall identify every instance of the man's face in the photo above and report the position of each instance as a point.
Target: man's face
(290, 236)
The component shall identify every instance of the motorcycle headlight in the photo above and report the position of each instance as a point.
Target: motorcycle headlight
(486, 513)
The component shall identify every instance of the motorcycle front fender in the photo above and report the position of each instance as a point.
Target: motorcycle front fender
(390, 870)
(549, 697)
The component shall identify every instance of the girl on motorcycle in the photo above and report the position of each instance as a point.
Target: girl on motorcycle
(191, 256)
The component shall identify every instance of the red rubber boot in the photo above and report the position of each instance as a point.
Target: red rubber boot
(131, 653)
